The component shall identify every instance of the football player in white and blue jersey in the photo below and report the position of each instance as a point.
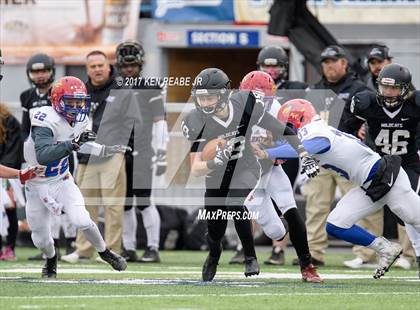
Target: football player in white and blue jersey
(57, 131)
(382, 181)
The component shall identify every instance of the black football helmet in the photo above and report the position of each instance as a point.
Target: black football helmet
(40, 62)
(1, 63)
(394, 75)
(211, 81)
(129, 52)
(274, 56)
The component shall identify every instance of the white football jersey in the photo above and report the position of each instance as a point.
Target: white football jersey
(260, 134)
(347, 155)
(62, 131)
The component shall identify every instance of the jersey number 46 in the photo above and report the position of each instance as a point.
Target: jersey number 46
(390, 142)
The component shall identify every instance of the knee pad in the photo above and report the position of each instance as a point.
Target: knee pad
(274, 228)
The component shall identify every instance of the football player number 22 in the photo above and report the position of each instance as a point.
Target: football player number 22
(40, 116)
(57, 167)
(391, 144)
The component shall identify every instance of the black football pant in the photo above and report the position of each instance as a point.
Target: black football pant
(231, 199)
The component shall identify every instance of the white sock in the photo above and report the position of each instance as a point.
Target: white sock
(130, 229)
(414, 237)
(93, 235)
(151, 221)
(49, 251)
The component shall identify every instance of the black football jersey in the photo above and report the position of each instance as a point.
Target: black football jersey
(394, 133)
(31, 99)
(151, 99)
(245, 110)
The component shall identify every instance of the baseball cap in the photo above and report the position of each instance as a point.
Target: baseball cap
(380, 53)
(333, 52)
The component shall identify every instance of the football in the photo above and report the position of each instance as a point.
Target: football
(209, 150)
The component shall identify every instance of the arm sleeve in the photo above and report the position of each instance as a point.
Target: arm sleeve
(26, 121)
(12, 155)
(158, 104)
(280, 131)
(45, 149)
(316, 145)
(160, 134)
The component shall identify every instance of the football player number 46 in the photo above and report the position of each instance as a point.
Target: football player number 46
(391, 143)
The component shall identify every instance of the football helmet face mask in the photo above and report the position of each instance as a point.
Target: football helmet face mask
(69, 98)
(274, 61)
(129, 53)
(297, 113)
(393, 86)
(40, 63)
(260, 83)
(211, 91)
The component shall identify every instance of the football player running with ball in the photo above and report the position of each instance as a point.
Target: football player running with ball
(381, 180)
(57, 131)
(234, 171)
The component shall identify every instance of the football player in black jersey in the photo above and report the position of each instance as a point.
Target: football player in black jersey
(40, 71)
(234, 171)
(154, 130)
(393, 116)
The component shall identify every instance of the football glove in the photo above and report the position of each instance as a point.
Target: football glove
(30, 173)
(86, 136)
(223, 155)
(160, 162)
(310, 165)
(115, 149)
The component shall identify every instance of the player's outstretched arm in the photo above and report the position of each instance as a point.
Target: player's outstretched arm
(23, 175)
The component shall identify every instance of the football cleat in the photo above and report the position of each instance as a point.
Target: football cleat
(210, 268)
(402, 263)
(50, 268)
(116, 261)
(388, 252)
(238, 258)
(150, 255)
(358, 263)
(309, 274)
(276, 257)
(251, 266)
(129, 255)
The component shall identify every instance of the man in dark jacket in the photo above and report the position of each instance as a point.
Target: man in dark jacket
(95, 179)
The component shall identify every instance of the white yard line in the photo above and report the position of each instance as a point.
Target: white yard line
(191, 273)
(209, 295)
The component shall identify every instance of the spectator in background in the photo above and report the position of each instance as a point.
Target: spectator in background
(94, 178)
(319, 192)
(10, 156)
(378, 57)
(40, 70)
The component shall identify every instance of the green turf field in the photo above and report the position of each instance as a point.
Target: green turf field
(175, 284)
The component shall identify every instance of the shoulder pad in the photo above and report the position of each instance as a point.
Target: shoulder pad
(192, 125)
(416, 97)
(362, 101)
(45, 116)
